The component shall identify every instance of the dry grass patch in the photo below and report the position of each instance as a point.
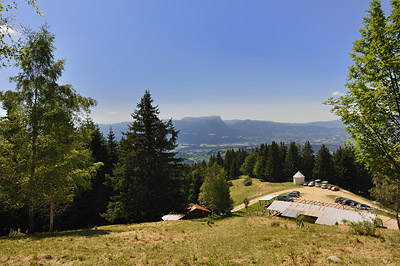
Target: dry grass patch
(239, 191)
(231, 241)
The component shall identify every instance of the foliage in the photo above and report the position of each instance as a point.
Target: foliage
(44, 130)
(292, 162)
(300, 218)
(365, 227)
(370, 109)
(246, 202)
(214, 193)
(274, 165)
(324, 168)
(10, 46)
(307, 160)
(247, 181)
(147, 179)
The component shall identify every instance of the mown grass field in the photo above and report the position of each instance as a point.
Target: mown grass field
(239, 191)
(248, 240)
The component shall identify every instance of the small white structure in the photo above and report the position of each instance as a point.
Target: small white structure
(298, 178)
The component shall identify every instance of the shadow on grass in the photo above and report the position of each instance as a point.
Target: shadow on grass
(75, 233)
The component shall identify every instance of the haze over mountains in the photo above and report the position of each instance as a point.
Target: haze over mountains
(212, 131)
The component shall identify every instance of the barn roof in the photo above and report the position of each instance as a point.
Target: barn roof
(193, 207)
(172, 217)
(325, 215)
(268, 197)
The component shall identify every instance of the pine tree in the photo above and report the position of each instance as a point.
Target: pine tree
(308, 160)
(273, 169)
(324, 168)
(292, 161)
(147, 179)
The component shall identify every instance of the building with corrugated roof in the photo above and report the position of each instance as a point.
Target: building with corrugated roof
(318, 214)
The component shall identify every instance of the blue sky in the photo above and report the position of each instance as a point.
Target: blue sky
(240, 59)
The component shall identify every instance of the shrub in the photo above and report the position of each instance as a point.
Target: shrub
(246, 203)
(366, 227)
(247, 181)
(300, 220)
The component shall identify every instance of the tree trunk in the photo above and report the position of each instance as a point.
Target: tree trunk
(51, 217)
(31, 219)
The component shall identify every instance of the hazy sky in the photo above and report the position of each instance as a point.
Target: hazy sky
(240, 59)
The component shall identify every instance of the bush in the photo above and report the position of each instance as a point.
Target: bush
(247, 181)
(366, 227)
(300, 220)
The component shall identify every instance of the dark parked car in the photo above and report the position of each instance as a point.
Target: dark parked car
(285, 198)
(346, 202)
(294, 194)
(362, 206)
(353, 204)
(329, 187)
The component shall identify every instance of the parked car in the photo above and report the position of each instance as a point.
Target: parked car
(334, 188)
(317, 184)
(285, 198)
(338, 199)
(341, 200)
(362, 206)
(346, 202)
(329, 187)
(324, 186)
(353, 204)
(294, 193)
(305, 183)
(311, 184)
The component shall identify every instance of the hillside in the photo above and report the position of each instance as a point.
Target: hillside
(232, 241)
(212, 131)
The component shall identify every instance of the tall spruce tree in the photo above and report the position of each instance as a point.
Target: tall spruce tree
(273, 169)
(307, 160)
(324, 168)
(292, 161)
(147, 179)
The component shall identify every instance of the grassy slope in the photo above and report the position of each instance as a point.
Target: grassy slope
(232, 241)
(239, 191)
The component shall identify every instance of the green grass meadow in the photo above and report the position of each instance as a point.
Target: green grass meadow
(249, 240)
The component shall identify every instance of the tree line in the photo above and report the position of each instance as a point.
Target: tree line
(55, 165)
(59, 171)
(279, 162)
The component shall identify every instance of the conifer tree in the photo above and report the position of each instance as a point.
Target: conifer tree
(273, 169)
(292, 161)
(307, 160)
(148, 177)
(324, 168)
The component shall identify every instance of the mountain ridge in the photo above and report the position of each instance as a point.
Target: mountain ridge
(214, 131)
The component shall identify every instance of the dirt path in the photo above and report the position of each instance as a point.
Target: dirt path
(319, 194)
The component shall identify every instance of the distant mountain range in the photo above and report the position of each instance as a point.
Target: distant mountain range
(212, 131)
